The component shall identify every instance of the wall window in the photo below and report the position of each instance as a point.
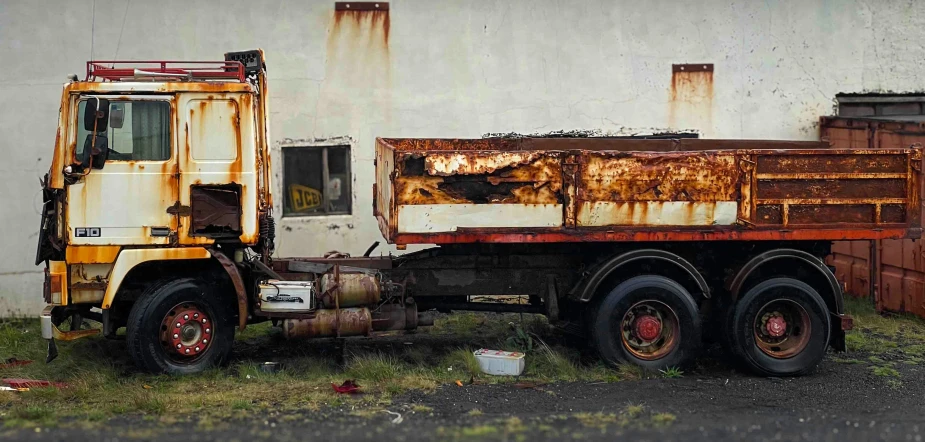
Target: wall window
(316, 180)
(136, 130)
(886, 106)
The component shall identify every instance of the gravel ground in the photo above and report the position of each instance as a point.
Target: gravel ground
(840, 401)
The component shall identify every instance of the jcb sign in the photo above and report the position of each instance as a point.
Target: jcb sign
(304, 198)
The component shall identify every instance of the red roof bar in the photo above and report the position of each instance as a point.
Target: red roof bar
(196, 70)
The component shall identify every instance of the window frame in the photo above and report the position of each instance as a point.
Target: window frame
(325, 177)
(78, 124)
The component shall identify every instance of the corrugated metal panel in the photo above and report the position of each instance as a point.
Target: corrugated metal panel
(898, 277)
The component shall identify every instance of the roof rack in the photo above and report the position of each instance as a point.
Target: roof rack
(165, 70)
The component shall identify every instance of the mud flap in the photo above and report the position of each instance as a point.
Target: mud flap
(841, 323)
(52, 351)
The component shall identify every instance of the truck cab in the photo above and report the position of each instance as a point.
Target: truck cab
(156, 164)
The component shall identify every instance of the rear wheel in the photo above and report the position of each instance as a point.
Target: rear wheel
(180, 327)
(781, 327)
(648, 320)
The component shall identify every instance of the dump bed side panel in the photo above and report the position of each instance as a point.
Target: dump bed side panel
(445, 191)
(427, 192)
(658, 189)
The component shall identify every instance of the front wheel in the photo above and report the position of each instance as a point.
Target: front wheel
(648, 320)
(781, 327)
(180, 327)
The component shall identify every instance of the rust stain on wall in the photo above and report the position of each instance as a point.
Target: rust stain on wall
(358, 47)
(691, 97)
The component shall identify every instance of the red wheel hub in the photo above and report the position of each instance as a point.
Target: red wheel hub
(776, 326)
(647, 327)
(187, 330)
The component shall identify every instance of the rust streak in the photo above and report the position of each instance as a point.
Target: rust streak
(691, 99)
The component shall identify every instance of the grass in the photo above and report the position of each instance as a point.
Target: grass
(885, 372)
(631, 416)
(882, 334)
(419, 408)
(886, 339)
(103, 382)
(591, 424)
(663, 419)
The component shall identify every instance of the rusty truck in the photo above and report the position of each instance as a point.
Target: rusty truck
(158, 218)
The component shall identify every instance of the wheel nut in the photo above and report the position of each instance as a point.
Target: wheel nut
(187, 351)
(178, 325)
(208, 330)
(178, 346)
(185, 316)
(203, 320)
(197, 348)
(176, 336)
(195, 315)
(205, 341)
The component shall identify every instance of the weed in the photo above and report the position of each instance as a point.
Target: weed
(848, 361)
(634, 411)
(367, 413)
(475, 412)
(462, 359)
(663, 419)
(418, 408)
(33, 412)
(241, 404)
(671, 372)
(149, 403)
(885, 371)
(375, 367)
(555, 365)
(519, 340)
(596, 420)
(480, 431)
(630, 371)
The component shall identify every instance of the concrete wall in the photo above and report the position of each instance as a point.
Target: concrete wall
(456, 68)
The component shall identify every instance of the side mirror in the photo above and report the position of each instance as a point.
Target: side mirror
(116, 115)
(96, 114)
(99, 152)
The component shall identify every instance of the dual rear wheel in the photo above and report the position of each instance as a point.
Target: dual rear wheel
(780, 327)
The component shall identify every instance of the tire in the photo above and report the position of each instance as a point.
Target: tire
(618, 316)
(208, 344)
(796, 306)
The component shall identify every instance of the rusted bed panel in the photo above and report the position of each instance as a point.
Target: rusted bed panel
(609, 189)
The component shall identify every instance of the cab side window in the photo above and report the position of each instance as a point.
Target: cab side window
(137, 130)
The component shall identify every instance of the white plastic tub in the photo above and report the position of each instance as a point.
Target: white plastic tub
(501, 363)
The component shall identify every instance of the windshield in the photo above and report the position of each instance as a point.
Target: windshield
(144, 134)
